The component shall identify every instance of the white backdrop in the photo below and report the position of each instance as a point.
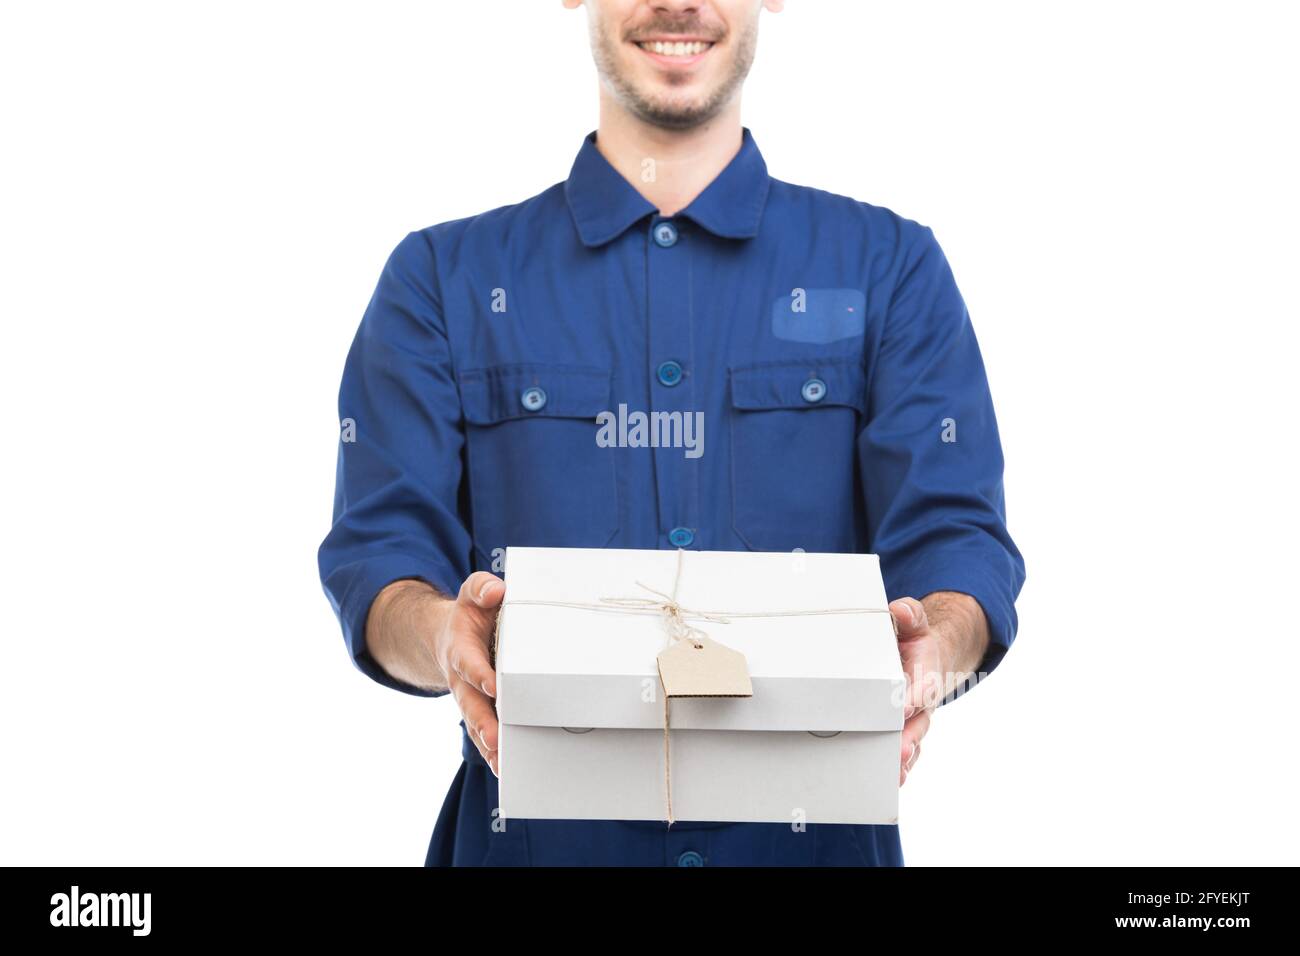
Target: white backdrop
(198, 198)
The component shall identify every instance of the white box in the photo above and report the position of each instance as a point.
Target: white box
(581, 706)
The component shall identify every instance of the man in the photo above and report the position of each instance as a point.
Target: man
(822, 341)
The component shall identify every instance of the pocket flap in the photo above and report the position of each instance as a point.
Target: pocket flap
(503, 392)
(795, 384)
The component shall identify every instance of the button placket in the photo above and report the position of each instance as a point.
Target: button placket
(670, 314)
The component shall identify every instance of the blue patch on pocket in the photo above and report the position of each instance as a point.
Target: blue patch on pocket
(819, 316)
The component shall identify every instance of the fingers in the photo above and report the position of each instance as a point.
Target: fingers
(472, 680)
(909, 618)
(480, 720)
(924, 681)
(921, 696)
(913, 731)
(908, 762)
(468, 659)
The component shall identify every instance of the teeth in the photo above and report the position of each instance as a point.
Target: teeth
(675, 49)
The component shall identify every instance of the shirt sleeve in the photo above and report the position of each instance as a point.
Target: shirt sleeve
(399, 462)
(931, 456)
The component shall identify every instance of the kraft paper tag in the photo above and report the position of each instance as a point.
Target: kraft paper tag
(700, 667)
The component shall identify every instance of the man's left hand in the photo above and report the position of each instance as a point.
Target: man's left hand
(919, 648)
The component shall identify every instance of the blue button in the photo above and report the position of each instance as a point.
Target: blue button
(814, 390)
(533, 399)
(681, 537)
(665, 234)
(690, 858)
(670, 373)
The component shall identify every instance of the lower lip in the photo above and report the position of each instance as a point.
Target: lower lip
(674, 61)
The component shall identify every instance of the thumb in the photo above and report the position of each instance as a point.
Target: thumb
(909, 618)
(482, 589)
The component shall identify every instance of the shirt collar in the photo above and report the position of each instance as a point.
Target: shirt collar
(604, 204)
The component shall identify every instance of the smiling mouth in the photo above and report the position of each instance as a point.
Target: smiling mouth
(681, 49)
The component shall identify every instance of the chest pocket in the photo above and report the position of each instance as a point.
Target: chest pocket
(794, 479)
(536, 476)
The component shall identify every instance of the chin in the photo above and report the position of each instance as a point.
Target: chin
(677, 116)
(673, 104)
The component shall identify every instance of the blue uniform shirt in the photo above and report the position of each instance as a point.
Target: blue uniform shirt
(844, 408)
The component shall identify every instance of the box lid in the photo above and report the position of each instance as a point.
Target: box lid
(582, 668)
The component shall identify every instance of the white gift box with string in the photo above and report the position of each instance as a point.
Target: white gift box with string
(588, 734)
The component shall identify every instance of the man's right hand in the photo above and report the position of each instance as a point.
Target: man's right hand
(421, 636)
(462, 648)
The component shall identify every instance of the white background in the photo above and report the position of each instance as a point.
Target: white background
(197, 201)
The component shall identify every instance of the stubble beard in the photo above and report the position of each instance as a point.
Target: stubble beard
(664, 111)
